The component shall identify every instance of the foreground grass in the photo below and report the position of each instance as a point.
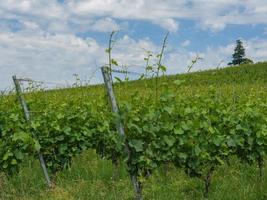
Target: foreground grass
(90, 178)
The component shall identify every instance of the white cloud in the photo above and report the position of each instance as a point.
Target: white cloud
(46, 57)
(209, 14)
(256, 49)
(28, 8)
(168, 24)
(30, 25)
(56, 26)
(212, 24)
(186, 43)
(130, 52)
(105, 25)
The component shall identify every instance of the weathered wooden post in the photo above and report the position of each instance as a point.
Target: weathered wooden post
(27, 118)
(109, 87)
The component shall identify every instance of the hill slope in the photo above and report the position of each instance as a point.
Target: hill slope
(62, 121)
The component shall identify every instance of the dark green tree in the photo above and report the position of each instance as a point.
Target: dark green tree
(239, 55)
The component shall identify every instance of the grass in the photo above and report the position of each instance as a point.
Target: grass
(90, 177)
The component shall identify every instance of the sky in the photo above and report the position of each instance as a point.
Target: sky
(51, 40)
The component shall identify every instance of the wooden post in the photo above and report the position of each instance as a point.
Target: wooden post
(27, 118)
(109, 87)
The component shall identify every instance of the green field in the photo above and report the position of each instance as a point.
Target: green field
(176, 132)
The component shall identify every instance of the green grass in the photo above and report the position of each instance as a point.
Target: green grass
(90, 177)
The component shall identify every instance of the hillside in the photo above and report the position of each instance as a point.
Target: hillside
(177, 132)
(238, 77)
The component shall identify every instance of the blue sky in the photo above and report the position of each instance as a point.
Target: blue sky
(52, 40)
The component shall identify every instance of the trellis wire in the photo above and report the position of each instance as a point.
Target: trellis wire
(125, 72)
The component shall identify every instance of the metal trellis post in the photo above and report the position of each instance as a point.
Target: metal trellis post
(27, 118)
(108, 83)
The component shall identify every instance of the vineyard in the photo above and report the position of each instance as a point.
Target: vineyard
(188, 136)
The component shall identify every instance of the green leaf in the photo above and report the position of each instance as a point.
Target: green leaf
(197, 150)
(169, 140)
(163, 68)
(220, 161)
(135, 127)
(211, 130)
(35, 124)
(114, 62)
(239, 127)
(62, 148)
(18, 154)
(185, 127)
(178, 131)
(108, 50)
(178, 82)
(21, 136)
(136, 144)
(169, 109)
(14, 162)
(231, 143)
(217, 141)
(182, 156)
(7, 155)
(60, 138)
(36, 146)
(118, 79)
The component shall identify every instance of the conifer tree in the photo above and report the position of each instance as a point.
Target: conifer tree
(239, 55)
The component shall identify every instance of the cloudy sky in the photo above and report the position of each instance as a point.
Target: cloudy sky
(53, 39)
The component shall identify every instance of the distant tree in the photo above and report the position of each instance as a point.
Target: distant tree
(239, 55)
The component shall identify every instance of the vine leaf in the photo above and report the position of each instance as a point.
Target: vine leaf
(136, 144)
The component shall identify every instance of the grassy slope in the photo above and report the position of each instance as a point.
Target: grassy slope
(90, 177)
(240, 79)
